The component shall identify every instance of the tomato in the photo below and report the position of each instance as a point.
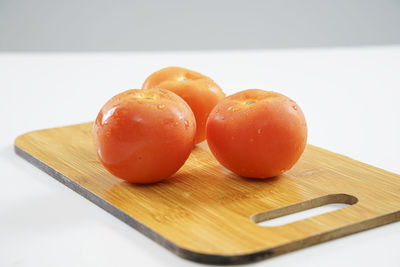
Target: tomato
(198, 90)
(144, 136)
(256, 133)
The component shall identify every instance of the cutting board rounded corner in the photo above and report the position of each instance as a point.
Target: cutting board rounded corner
(204, 213)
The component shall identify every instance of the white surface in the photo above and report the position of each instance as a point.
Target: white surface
(350, 98)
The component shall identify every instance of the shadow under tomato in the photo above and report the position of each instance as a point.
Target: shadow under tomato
(262, 180)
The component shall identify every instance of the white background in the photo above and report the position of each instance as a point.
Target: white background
(350, 98)
(134, 25)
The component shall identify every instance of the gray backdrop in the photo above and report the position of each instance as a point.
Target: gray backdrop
(122, 25)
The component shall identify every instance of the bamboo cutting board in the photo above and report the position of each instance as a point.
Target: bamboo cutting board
(208, 214)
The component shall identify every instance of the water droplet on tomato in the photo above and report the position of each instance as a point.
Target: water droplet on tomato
(161, 106)
(249, 102)
(294, 107)
(183, 79)
(251, 140)
(259, 131)
(186, 124)
(234, 109)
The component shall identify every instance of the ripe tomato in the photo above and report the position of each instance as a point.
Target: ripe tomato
(199, 91)
(144, 136)
(256, 133)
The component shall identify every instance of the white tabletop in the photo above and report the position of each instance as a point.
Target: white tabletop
(350, 98)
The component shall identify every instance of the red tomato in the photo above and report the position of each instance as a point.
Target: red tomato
(256, 133)
(198, 90)
(144, 136)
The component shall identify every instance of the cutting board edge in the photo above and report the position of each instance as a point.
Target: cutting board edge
(182, 252)
(198, 256)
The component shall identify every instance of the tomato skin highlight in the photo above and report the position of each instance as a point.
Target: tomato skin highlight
(198, 90)
(144, 136)
(256, 133)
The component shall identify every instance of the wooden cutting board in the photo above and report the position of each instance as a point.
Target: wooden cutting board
(207, 214)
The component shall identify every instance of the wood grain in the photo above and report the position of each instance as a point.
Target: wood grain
(207, 214)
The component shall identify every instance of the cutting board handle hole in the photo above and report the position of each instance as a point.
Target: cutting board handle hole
(303, 210)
